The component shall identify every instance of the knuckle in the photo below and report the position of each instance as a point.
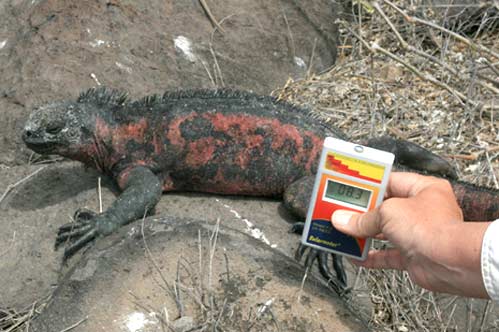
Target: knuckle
(390, 209)
(360, 224)
(366, 224)
(442, 182)
(441, 187)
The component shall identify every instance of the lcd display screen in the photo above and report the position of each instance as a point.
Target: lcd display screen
(348, 194)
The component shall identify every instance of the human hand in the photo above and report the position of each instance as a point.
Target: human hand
(422, 219)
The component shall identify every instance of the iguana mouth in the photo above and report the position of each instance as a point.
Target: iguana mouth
(37, 144)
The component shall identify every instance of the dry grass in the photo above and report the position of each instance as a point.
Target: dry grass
(369, 93)
(400, 74)
(19, 321)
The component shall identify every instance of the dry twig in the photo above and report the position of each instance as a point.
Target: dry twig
(75, 325)
(467, 41)
(210, 15)
(18, 183)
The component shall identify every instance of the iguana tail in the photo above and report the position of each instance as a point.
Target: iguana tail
(477, 203)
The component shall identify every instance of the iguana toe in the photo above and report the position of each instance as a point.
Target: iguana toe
(73, 226)
(70, 234)
(297, 228)
(337, 281)
(80, 243)
(83, 214)
(78, 233)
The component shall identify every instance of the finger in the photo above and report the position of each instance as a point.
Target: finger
(382, 259)
(356, 224)
(403, 184)
(400, 184)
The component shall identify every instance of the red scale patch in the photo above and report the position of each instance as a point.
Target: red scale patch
(242, 129)
(201, 151)
(125, 133)
(174, 134)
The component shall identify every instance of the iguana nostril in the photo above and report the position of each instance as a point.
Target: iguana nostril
(27, 134)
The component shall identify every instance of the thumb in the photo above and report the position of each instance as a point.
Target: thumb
(356, 224)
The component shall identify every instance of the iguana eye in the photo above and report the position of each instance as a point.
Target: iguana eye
(53, 128)
(72, 133)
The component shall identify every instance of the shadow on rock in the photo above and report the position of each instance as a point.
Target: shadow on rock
(287, 215)
(53, 185)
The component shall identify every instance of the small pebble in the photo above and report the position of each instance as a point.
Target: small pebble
(183, 324)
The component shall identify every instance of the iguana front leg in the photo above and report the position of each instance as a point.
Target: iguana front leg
(141, 192)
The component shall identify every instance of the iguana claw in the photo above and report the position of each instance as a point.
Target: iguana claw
(78, 233)
(80, 243)
(64, 236)
(338, 282)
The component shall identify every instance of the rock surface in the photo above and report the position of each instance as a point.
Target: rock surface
(230, 279)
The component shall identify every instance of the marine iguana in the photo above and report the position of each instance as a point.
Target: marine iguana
(218, 141)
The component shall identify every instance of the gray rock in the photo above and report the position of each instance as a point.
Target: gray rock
(229, 279)
(183, 324)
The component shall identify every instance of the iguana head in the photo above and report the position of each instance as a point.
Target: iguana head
(68, 128)
(58, 128)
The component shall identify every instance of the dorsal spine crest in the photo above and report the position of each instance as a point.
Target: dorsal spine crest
(102, 96)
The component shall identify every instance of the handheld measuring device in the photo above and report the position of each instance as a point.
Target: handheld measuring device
(349, 177)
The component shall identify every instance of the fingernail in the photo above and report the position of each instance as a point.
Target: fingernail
(341, 217)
